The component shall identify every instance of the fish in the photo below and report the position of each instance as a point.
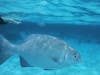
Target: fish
(40, 50)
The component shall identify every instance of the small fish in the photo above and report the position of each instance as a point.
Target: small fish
(40, 50)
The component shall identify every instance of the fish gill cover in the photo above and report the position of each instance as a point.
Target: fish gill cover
(56, 11)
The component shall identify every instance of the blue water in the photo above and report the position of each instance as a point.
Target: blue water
(75, 21)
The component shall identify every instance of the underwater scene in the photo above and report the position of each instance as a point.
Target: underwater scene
(49, 37)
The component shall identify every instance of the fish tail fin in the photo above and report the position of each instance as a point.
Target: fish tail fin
(5, 49)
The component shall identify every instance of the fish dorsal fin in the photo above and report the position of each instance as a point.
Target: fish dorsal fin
(30, 37)
(23, 62)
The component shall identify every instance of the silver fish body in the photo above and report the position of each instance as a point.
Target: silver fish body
(45, 51)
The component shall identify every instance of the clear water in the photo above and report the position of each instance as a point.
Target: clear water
(75, 21)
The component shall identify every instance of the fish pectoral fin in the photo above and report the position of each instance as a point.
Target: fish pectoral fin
(56, 59)
(23, 62)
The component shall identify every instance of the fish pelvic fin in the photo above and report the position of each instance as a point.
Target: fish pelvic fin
(23, 62)
(6, 49)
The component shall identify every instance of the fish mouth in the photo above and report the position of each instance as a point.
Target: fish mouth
(79, 60)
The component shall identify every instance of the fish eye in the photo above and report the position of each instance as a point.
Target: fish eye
(75, 56)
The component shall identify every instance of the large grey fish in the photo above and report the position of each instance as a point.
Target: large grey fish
(40, 50)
